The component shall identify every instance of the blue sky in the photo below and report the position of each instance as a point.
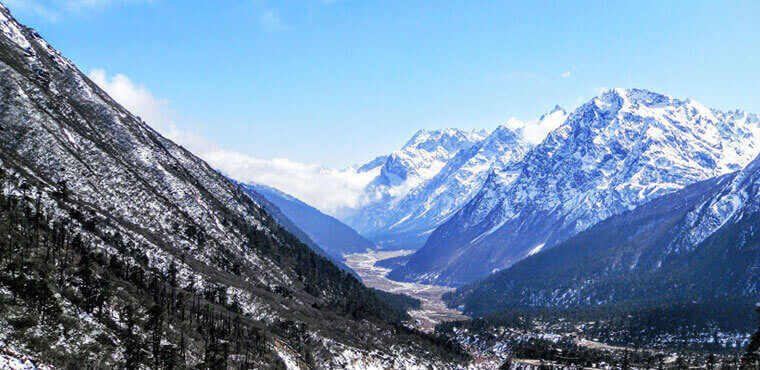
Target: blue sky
(337, 82)
(269, 91)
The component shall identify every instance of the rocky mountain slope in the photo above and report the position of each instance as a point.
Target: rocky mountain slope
(286, 223)
(405, 219)
(699, 244)
(398, 174)
(121, 248)
(616, 152)
(331, 235)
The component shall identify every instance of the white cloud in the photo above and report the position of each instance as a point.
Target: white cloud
(534, 132)
(155, 111)
(271, 22)
(331, 191)
(566, 74)
(136, 98)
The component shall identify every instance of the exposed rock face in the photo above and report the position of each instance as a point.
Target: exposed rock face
(616, 152)
(698, 244)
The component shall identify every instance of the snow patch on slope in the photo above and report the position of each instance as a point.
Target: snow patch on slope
(11, 29)
(537, 249)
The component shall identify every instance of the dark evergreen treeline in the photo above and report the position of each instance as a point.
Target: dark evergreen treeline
(710, 325)
(54, 277)
(399, 303)
(751, 358)
(568, 354)
(633, 338)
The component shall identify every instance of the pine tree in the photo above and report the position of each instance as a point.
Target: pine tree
(751, 358)
(710, 361)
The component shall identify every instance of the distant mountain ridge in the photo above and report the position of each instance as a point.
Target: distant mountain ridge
(282, 219)
(328, 233)
(613, 153)
(697, 244)
(405, 210)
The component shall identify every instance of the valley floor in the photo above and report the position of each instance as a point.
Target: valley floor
(433, 309)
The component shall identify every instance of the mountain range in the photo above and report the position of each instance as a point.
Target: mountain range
(620, 150)
(419, 186)
(698, 244)
(396, 178)
(288, 224)
(331, 235)
(123, 249)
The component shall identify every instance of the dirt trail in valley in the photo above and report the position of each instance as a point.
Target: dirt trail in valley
(433, 310)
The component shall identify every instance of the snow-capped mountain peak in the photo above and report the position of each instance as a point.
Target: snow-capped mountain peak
(617, 151)
(427, 152)
(430, 177)
(418, 160)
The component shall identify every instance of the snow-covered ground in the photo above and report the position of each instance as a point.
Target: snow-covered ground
(433, 310)
(11, 360)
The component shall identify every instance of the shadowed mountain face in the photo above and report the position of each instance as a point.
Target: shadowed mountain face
(698, 244)
(283, 220)
(616, 152)
(137, 243)
(331, 235)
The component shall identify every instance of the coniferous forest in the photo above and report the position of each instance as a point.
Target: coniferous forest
(76, 306)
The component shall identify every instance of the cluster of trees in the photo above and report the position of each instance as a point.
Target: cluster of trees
(399, 303)
(567, 354)
(638, 333)
(53, 276)
(144, 315)
(751, 358)
(713, 325)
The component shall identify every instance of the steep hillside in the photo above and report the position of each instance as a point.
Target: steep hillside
(142, 255)
(331, 235)
(282, 219)
(616, 152)
(699, 244)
